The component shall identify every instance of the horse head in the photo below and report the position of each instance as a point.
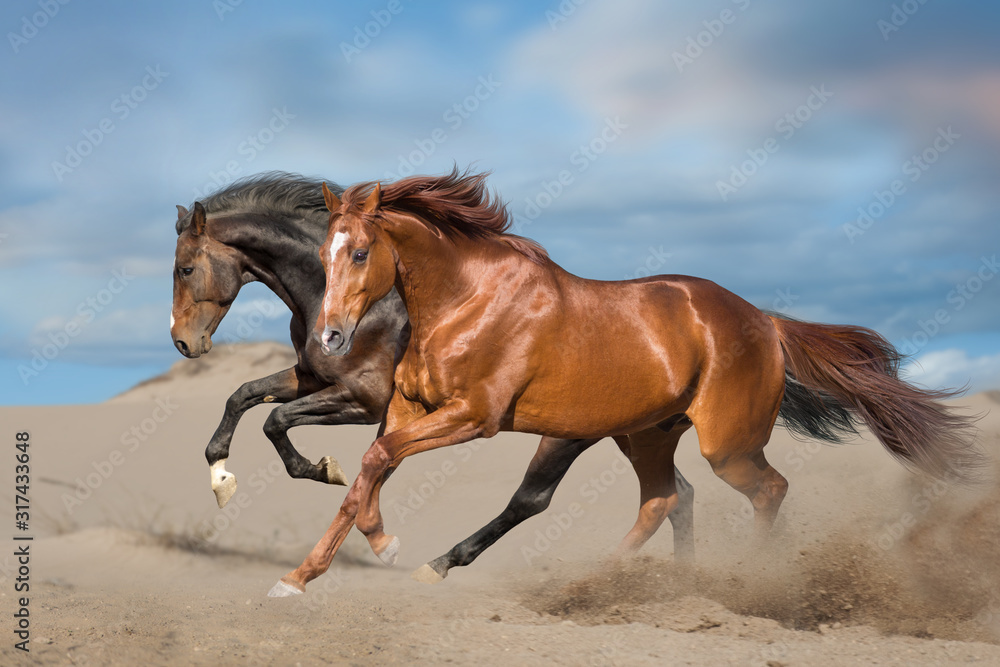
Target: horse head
(207, 278)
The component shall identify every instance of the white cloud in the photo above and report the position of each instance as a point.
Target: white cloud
(954, 368)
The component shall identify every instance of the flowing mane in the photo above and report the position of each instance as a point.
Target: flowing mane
(455, 203)
(270, 193)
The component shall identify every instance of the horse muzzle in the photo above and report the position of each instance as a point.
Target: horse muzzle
(336, 342)
(194, 349)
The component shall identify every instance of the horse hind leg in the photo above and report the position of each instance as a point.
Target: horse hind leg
(745, 468)
(663, 491)
(764, 486)
(682, 519)
(545, 472)
(734, 413)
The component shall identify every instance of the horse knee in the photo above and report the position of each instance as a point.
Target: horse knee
(276, 425)
(375, 461)
(656, 510)
(524, 505)
(239, 400)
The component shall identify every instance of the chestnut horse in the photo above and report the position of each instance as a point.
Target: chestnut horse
(504, 339)
(269, 228)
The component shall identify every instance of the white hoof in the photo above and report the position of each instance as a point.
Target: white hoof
(426, 574)
(223, 483)
(334, 473)
(283, 590)
(390, 553)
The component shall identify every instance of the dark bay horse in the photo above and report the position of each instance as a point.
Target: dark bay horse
(504, 339)
(269, 228)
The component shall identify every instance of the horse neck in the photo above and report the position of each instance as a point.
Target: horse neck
(432, 271)
(280, 252)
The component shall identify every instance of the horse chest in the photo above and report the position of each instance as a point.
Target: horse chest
(416, 382)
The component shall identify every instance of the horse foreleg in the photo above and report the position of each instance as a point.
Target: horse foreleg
(280, 387)
(546, 470)
(449, 425)
(319, 559)
(331, 405)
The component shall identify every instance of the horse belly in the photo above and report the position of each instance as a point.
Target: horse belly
(611, 394)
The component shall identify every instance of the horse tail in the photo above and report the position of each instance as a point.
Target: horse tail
(838, 377)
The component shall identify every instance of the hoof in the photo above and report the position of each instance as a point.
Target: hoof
(282, 589)
(223, 483)
(426, 574)
(334, 473)
(390, 553)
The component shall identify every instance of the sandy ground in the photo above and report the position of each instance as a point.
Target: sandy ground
(133, 563)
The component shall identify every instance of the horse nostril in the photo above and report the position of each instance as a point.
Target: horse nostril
(181, 347)
(331, 338)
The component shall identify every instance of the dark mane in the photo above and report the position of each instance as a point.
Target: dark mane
(457, 202)
(270, 192)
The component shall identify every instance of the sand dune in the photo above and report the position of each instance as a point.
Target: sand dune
(134, 563)
(220, 372)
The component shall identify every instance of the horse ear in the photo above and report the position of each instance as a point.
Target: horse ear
(332, 200)
(374, 199)
(198, 220)
(181, 212)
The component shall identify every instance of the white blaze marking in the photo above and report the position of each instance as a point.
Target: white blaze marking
(339, 241)
(171, 320)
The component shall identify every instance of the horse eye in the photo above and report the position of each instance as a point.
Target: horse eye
(187, 271)
(360, 256)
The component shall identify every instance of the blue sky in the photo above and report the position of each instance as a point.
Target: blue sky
(838, 161)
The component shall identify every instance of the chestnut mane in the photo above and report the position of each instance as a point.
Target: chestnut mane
(457, 202)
